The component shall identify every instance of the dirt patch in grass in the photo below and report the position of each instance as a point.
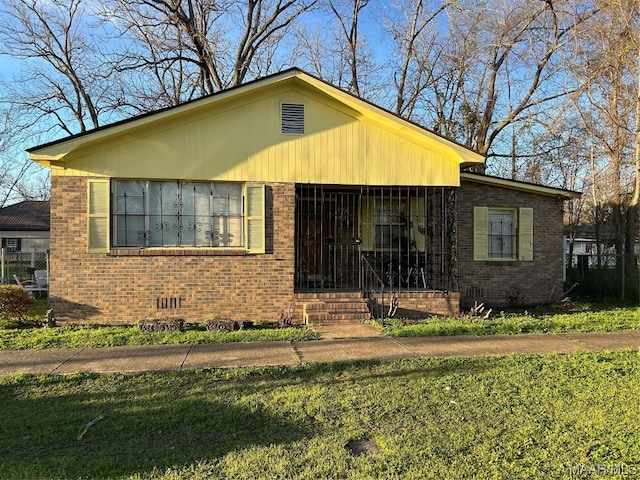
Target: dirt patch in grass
(362, 447)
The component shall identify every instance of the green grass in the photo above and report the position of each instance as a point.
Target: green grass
(583, 317)
(33, 336)
(514, 417)
(112, 336)
(606, 320)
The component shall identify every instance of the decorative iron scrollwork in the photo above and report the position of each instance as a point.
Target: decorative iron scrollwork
(162, 226)
(161, 325)
(197, 226)
(452, 234)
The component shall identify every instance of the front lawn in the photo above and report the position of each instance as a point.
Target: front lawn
(583, 318)
(120, 335)
(534, 417)
(29, 334)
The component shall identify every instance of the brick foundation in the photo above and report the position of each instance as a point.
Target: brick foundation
(418, 305)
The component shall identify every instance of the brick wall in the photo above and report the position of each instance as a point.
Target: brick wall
(418, 305)
(503, 283)
(130, 285)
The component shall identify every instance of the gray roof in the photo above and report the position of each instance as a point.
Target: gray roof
(30, 215)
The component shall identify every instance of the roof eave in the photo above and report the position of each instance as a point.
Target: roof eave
(522, 186)
(466, 157)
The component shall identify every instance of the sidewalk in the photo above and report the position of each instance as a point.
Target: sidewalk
(328, 349)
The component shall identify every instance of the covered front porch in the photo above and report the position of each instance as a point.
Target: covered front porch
(379, 243)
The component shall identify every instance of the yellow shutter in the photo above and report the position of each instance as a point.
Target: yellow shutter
(255, 218)
(98, 216)
(525, 235)
(480, 233)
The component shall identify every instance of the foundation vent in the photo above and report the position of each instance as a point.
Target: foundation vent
(168, 303)
(475, 292)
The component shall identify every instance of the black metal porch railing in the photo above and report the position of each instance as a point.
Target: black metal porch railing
(406, 236)
(373, 288)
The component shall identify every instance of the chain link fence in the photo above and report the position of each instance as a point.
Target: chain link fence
(21, 265)
(602, 276)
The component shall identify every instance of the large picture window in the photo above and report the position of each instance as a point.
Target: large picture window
(175, 213)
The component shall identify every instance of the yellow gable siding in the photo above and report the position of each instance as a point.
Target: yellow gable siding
(242, 141)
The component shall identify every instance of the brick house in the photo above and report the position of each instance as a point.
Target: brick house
(287, 194)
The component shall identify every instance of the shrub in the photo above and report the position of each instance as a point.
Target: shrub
(14, 302)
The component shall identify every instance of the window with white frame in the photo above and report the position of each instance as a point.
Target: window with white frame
(12, 244)
(177, 214)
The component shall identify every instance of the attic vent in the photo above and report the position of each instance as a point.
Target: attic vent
(292, 118)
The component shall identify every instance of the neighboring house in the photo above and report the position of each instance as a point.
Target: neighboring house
(288, 196)
(24, 226)
(585, 252)
(585, 241)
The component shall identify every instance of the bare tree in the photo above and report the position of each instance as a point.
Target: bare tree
(607, 63)
(558, 157)
(196, 47)
(64, 83)
(347, 12)
(36, 186)
(155, 59)
(520, 28)
(17, 172)
(495, 68)
(337, 50)
(415, 35)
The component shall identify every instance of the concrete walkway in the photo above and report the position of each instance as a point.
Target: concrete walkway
(360, 344)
